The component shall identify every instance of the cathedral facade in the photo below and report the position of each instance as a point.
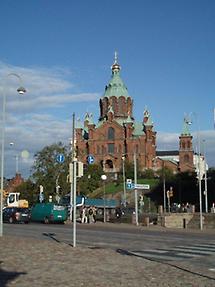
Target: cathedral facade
(117, 136)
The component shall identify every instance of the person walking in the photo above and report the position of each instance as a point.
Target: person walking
(84, 215)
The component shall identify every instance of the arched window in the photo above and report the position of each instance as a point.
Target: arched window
(186, 158)
(111, 148)
(120, 149)
(137, 148)
(109, 163)
(111, 134)
(103, 150)
(98, 149)
(188, 145)
(121, 105)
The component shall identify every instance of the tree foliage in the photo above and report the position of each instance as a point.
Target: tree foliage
(28, 191)
(91, 179)
(48, 172)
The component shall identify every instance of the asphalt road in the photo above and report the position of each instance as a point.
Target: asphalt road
(154, 243)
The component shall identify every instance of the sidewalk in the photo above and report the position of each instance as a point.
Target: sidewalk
(32, 262)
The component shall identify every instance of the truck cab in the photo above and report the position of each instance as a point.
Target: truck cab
(13, 200)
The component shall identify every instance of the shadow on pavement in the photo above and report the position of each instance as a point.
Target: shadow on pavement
(51, 236)
(6, 277)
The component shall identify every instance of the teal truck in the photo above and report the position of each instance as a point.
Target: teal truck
(99, 203)
(49, 213)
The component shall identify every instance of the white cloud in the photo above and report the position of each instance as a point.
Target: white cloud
(31, 120)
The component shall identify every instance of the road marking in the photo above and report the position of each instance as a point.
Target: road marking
(178, 252)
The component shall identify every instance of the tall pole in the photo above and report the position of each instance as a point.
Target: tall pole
(135, 190)
(206, 181)
(104, 201)
(74, 201)
(199, 181)
(124, 187)
(2, 160)
(164, 189)
(20, 90)
(72, 167)
(74, 164)
(104, 177)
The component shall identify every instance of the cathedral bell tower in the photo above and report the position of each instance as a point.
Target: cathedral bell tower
(116, 97)
(185, 148)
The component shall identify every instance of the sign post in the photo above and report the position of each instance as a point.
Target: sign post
(135, 190)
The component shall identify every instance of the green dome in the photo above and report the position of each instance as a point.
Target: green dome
(116, 87)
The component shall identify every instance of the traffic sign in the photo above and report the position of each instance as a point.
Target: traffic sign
(60, 158)
(90, 159)
(130, 185)
(142, 186)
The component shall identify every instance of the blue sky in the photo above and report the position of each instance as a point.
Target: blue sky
(63, 50)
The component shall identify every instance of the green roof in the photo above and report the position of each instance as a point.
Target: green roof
(116, 87)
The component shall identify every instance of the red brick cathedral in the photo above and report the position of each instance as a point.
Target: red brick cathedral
(117, 135)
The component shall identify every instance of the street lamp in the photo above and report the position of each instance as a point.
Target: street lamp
(123, 174)
(21, 91)
(104, 177)
(206, 185)
(199, 174)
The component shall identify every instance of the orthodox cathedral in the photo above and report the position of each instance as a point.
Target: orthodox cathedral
(118, 136)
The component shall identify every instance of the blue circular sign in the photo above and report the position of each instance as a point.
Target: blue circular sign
(90, 159)
(60, 158)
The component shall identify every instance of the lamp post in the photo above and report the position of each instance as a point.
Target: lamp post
(206, 183)
(199, 172)
(135, 190)
(164, 186)
(123, 174)
(104, 177)
(199, 179)
(21, 91)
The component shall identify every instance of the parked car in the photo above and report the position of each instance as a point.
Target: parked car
(16, 215)
(49, 213)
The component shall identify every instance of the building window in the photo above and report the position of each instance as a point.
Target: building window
(188, 145)
(186, 158)
(121, 105)
(98, 149)
(111, 134)
(109, 163)
(137, 148)
(103, 150)
(120, 149)
(111, 148)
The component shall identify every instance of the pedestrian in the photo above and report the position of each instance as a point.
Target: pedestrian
(94, 213)
(118, 212)
(90, 215)
(84, 215)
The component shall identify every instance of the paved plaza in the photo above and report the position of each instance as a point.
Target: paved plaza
(30, 262)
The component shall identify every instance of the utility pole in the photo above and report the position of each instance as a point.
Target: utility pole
(124, 187)
(200, 181)
(206, 181)
(135, 190)
(73, 182)
(164, 188)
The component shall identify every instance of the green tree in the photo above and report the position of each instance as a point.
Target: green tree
(48, 172)
(91, 179)
(28, 191)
